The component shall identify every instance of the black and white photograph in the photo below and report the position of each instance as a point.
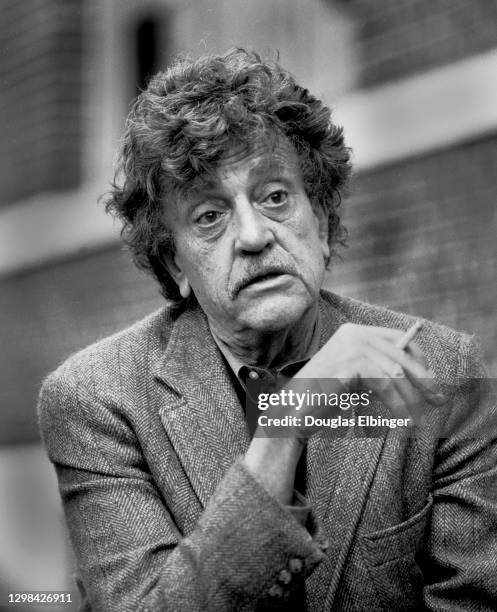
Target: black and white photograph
(248, 295)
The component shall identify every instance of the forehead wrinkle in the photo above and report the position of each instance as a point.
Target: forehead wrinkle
(272, 169)
(274, 151)
(273, 164)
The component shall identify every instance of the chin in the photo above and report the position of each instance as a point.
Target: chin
(274, 315)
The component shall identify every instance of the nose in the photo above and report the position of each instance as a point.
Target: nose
(252, 229)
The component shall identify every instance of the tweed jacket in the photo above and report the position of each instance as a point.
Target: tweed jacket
(146, 434)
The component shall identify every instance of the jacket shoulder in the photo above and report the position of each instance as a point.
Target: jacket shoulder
(145, 337)
(92, 387)
(108, 369)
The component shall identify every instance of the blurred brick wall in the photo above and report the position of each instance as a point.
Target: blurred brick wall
(40, 96)
(422, 230)
(422, 239)
(46, 315)
(400, 37)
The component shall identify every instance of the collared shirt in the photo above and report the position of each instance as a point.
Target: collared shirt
(271, 376)
(249, 380)
(244, 376)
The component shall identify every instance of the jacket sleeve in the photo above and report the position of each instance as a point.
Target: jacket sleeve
(461, 573)
(246, 552)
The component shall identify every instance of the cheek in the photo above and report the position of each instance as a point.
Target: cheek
(304, 230)
(203, 267)
(304, 245)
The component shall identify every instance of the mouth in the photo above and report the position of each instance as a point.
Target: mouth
(267, 278)
(264, 277)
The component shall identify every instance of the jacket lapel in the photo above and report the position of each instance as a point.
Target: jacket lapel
(340, 475)
(340, 472)
(205, 421)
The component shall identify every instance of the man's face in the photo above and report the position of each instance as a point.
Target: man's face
(248, 243)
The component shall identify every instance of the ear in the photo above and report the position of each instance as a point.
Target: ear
(178, 274)
(322, 220)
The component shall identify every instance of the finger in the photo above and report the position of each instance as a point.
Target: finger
(412, 398)
(387, 333)
(419, 375)
(383, 389)
(412, 359)
(391, 385)
(398, 338)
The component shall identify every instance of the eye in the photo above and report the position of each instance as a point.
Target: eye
(277, 197)
(210, 217)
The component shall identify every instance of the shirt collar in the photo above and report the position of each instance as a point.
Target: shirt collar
(289, 368)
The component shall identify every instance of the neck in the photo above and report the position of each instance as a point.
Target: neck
(270, 349)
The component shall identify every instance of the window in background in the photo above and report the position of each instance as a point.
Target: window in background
(150, 41)
(40, 97)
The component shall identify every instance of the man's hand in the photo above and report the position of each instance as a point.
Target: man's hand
(360, 357)
(355, 358)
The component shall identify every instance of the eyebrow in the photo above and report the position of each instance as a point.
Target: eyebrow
(198, 196)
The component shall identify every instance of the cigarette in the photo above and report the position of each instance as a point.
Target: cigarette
(409, 335)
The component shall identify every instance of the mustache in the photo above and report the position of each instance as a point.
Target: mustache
(256, 269)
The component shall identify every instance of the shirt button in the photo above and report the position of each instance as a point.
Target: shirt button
(295, 565)
(253, 375)
(324, 544)
(276, 591)
(284, 576)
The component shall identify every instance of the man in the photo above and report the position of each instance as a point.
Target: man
(229, 192)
